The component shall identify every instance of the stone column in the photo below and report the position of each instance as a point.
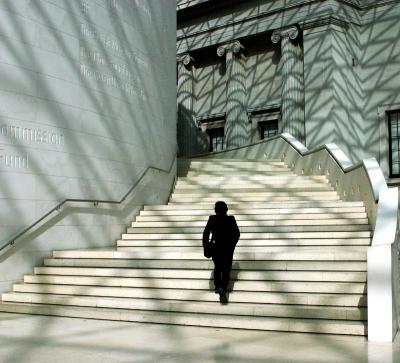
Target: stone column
(237, 131)
(186, 102)
(292, 107)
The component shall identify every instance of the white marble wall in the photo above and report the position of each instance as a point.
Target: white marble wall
(85, 106)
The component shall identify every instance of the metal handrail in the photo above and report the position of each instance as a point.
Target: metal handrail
(12, 240)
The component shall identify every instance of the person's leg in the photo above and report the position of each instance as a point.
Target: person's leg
(226, 267)
(217, 272)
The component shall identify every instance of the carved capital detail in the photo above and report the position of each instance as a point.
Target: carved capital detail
(290, 32)
(221, 50)
(235, 47)
(185, 58)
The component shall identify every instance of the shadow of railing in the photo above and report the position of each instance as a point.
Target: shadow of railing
(51, 219)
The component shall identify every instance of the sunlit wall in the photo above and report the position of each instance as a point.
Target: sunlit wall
(351, 64)
(87, 102)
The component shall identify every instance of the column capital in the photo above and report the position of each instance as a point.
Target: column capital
(235, 47)
(290, 32)
(185, 59)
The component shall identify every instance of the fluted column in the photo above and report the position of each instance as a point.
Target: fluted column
(186, 103)
(292, 108)
(237, 131)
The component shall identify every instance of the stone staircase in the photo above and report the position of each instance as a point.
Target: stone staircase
(300, 264)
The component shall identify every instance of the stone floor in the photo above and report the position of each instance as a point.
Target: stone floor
(33, 339)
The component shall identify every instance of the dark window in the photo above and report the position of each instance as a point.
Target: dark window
(216, 139)
(266, 120)
(268, 129)
(394, 143)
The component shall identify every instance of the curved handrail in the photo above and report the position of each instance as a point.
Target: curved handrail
(12, 240)
(376, 178)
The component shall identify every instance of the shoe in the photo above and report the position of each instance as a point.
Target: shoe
(220, 291)
(223, 299)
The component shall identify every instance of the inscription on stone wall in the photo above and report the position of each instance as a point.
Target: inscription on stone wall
(110, 80)
(31, 135)
(112, 5)
(95, 57)
(13, 161)
(85, 7)
(113, 44)
(143, 6)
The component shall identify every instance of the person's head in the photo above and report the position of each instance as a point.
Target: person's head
(221, 208)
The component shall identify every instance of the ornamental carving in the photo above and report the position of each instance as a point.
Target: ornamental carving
(185, 58)
(235, 47)
(291, 32)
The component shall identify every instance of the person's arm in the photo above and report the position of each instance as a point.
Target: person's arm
(235, 231)
(207, 231)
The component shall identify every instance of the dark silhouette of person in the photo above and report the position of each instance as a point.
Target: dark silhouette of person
(225, 234)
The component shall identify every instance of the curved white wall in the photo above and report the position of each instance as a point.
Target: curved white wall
(87, 102)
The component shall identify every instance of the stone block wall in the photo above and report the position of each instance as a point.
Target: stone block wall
(87, 103)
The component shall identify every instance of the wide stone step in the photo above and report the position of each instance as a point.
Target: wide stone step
(264, 297)
(242, 248)
(255, 177)
(242, 199)
(276, 185)
(232, 167)
(258, 223)
(324, 228)
(252, 243)
(239, 309)
(250, 181)
(252, 217)
(234, 189)
(243, 253)
(241, 194)
(259, 205)
(207, 264)
(338, 276)
(256, 212)
(208, 161)
(232, 202)
(344, 253)
(247, 235)
(238, 165)
(239, 249)
(229, 173)
(201, 284)
(210, 320)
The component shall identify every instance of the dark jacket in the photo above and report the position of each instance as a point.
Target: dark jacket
(224, 230)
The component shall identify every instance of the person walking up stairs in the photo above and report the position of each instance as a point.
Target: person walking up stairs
(300, 264)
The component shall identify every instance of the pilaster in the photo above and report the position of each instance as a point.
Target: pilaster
(186, 103)
(237, 130)
(292, 108)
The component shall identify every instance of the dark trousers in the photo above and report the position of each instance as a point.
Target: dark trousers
(222, 268)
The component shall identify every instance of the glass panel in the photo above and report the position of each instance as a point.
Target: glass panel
(216, 139)
(268, 129)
